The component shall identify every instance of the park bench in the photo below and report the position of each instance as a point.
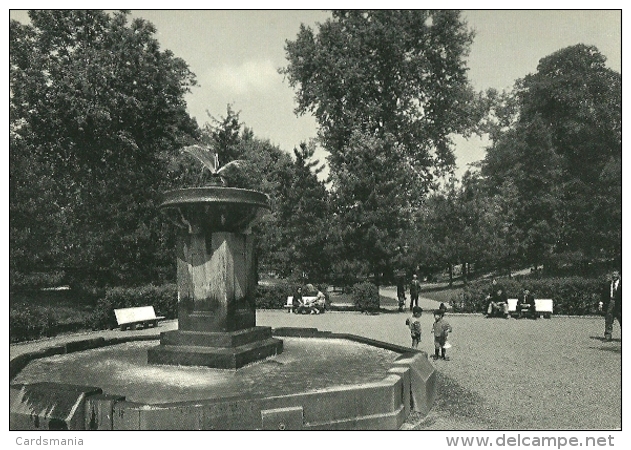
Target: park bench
(290, 306)
(140, 315)
(543, 306)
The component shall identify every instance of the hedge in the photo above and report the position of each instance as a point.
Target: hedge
(26, 324)
(571, 295)
(274, 296)
(162, 298)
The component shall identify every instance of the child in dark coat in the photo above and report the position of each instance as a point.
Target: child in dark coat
(414, 323)
(440, 330)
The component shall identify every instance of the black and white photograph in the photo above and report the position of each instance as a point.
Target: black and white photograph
(365, 220)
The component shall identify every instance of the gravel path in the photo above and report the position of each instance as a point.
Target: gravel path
(503, 374)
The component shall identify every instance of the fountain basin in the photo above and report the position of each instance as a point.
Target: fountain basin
(218, 208)
(123, 369)
(323, 381)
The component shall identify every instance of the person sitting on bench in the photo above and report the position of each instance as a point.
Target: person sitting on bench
(498, 303)
(526, 305)
(317, 305)
(299, 304)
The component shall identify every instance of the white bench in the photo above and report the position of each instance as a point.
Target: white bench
(289, 306)
(140, 315)
(543, 306)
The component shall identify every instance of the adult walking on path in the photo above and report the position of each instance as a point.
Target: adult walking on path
(415, 289)
(611, 303)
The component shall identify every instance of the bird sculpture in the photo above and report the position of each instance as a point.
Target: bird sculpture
(210, 161)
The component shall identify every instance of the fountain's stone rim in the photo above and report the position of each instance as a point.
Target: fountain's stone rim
(410, 384)
(214, 194)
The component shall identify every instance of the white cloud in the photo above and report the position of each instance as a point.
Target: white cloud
(249, 77)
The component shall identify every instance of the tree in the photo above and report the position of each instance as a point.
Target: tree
(225, 134)
(397, 72)
(303, 214)
(293, 232)
(562, 147)
(465, 223)
(388, 89)
(95, 106)
(374, 196)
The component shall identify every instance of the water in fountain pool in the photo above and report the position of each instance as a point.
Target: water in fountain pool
(305, 365)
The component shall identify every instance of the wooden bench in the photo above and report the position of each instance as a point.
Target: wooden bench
(289, 306)
(140, 315)
(543, 306)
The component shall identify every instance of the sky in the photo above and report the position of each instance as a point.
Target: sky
(236, 55)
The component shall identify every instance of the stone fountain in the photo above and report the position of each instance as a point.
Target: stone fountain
(217, 278)
(322, 381)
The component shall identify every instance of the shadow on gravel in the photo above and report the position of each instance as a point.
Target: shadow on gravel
(615, 349)
(602, 339)
(610, 348)
(455, 408)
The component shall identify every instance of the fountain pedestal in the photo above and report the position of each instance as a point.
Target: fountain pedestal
(217, 277)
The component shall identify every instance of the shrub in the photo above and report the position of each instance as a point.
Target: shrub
(365, 297)
(274, 296)
(26, 324)
(162, 298)
(571, 295)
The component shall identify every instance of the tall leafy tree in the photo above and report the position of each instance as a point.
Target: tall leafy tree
(374, 198)
(95, 105)
(468, 223)
(389, 89)
(224, 135)
(562, 147)
(303, 215)
(398, 72)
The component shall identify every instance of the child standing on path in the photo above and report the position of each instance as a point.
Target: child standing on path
(440, 330)
(401, 294)
(414, 323)
(415, 288)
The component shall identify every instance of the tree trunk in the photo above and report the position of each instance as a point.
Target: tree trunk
(377, 278)
(451, 275)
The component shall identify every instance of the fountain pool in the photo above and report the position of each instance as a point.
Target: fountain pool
(307, 364)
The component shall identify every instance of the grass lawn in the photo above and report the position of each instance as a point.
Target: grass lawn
(443, 295)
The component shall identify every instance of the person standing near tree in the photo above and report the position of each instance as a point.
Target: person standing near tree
(415, 288)
(611, 303)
